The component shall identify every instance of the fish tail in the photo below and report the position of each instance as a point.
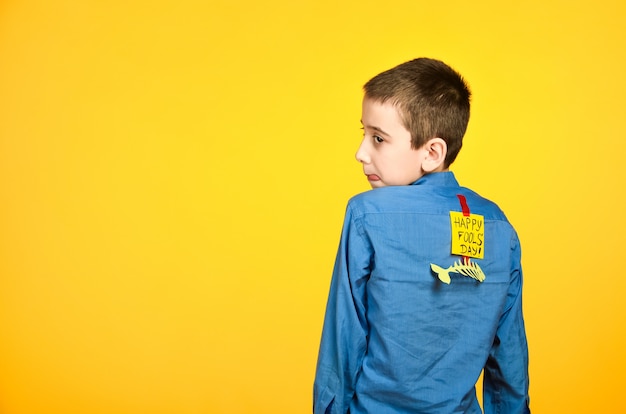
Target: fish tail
(442, 273)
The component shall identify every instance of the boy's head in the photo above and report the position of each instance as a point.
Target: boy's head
(432, 102)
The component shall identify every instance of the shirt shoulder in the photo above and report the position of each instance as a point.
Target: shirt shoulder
(427, 200)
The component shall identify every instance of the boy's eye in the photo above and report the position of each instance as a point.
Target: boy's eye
(378, 139)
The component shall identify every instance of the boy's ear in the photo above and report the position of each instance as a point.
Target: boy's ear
(436, 150)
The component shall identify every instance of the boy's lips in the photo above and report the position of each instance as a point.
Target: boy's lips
(372, 177)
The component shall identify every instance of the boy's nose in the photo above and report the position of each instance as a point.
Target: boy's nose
(361, 155)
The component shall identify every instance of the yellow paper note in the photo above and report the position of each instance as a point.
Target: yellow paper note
(468, 234)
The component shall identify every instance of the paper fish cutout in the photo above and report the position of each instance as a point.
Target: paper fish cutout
(464, 267)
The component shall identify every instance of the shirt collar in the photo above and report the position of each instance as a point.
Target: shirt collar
(445, 178)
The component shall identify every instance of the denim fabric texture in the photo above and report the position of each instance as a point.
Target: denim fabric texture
(398, 340)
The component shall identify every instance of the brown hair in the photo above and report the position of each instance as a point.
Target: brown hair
(432, 98)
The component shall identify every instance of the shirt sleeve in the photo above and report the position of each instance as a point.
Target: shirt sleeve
(344, 336)
(505, 384)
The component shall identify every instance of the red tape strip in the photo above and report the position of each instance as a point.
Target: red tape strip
(466, 212)
(464, 206)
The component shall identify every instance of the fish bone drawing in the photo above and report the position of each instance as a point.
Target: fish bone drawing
(463, 267)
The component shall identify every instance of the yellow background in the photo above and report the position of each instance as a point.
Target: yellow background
(173, 177)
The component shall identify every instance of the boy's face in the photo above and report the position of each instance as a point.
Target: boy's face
(385, 151)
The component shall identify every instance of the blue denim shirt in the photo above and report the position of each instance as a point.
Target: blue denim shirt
(398, 340)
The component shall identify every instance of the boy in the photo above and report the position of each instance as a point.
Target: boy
(426, 288)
